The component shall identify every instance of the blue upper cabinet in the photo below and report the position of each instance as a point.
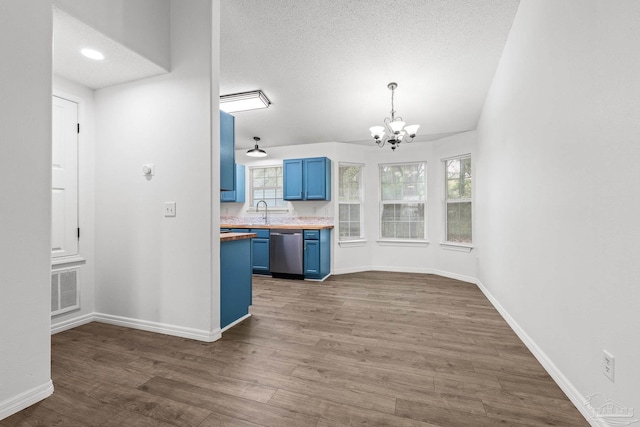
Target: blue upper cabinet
(238, 194)
(307, 179)
(227, 152)
(316, 178)
(292, 179)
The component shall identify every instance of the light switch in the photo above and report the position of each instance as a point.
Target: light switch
(169, 208)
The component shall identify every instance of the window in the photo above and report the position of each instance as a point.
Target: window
(266, 184)
(350, 201)
(458, 218)
(403, 201)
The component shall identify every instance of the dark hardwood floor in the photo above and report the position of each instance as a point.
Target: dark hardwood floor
(370, 349)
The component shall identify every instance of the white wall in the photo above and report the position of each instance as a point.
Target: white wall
(433, 257)
(373, 255)
(140, 25)
(86, 200)
(25, 203)
(155, 272)
(557, 181)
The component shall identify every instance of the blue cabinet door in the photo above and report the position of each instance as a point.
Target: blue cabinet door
(235, 280)
(317, 254)
(312, 258)
(317, 178)
(227, 152)
(292, 179)
(227, 196)
(236, 195)
(260, 248)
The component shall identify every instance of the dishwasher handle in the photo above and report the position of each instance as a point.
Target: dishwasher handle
(280, 233)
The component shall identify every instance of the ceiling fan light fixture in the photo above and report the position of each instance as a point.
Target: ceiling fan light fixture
(256, 151)
(244, 101)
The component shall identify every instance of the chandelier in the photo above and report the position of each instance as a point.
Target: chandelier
(394, 130)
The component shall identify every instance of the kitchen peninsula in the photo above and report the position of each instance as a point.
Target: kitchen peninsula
(235, 278)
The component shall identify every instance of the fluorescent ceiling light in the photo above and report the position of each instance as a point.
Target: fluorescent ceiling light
(92, 54)
(244, 101)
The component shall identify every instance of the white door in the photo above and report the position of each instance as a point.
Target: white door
(64, 203)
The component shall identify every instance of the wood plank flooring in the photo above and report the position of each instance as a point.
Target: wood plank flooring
(366, 349)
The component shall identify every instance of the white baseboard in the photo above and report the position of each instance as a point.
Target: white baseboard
(351, 270)
(456, 276)
(318, 280)
(447, 274)
(567, 387)
(161, 328)
(71, 323)
(25, 399)
(145, 325)
(401, 269)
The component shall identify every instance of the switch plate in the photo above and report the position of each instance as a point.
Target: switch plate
(608, 365)
(169, 208)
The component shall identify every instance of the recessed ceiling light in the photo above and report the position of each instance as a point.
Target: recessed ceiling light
(92, 54)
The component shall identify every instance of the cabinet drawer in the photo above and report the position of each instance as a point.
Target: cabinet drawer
(262, 233)
(311, 234)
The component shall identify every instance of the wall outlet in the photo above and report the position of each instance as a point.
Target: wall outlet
(169, 208)
(608, 365)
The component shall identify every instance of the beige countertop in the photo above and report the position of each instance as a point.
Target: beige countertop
(280, 226)
(226, 237)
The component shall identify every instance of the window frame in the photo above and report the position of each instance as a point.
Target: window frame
(403, 240)
(359, 202)
(445, 241)
(252, 202)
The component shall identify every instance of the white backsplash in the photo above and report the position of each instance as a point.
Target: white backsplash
(275, 220)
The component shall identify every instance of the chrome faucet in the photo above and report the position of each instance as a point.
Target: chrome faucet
(266, 210)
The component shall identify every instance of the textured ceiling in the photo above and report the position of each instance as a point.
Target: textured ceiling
(325, 65)
(120, 64)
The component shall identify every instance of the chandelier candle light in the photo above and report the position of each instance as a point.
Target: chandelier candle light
(394, 130)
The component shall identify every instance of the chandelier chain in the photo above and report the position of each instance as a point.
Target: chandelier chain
(393, 109)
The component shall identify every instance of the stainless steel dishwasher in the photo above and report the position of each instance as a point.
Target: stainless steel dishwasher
(285, 253)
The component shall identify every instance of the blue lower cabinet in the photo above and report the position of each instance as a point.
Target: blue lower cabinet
(260, 246)
(317, 253)
(235, 280)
